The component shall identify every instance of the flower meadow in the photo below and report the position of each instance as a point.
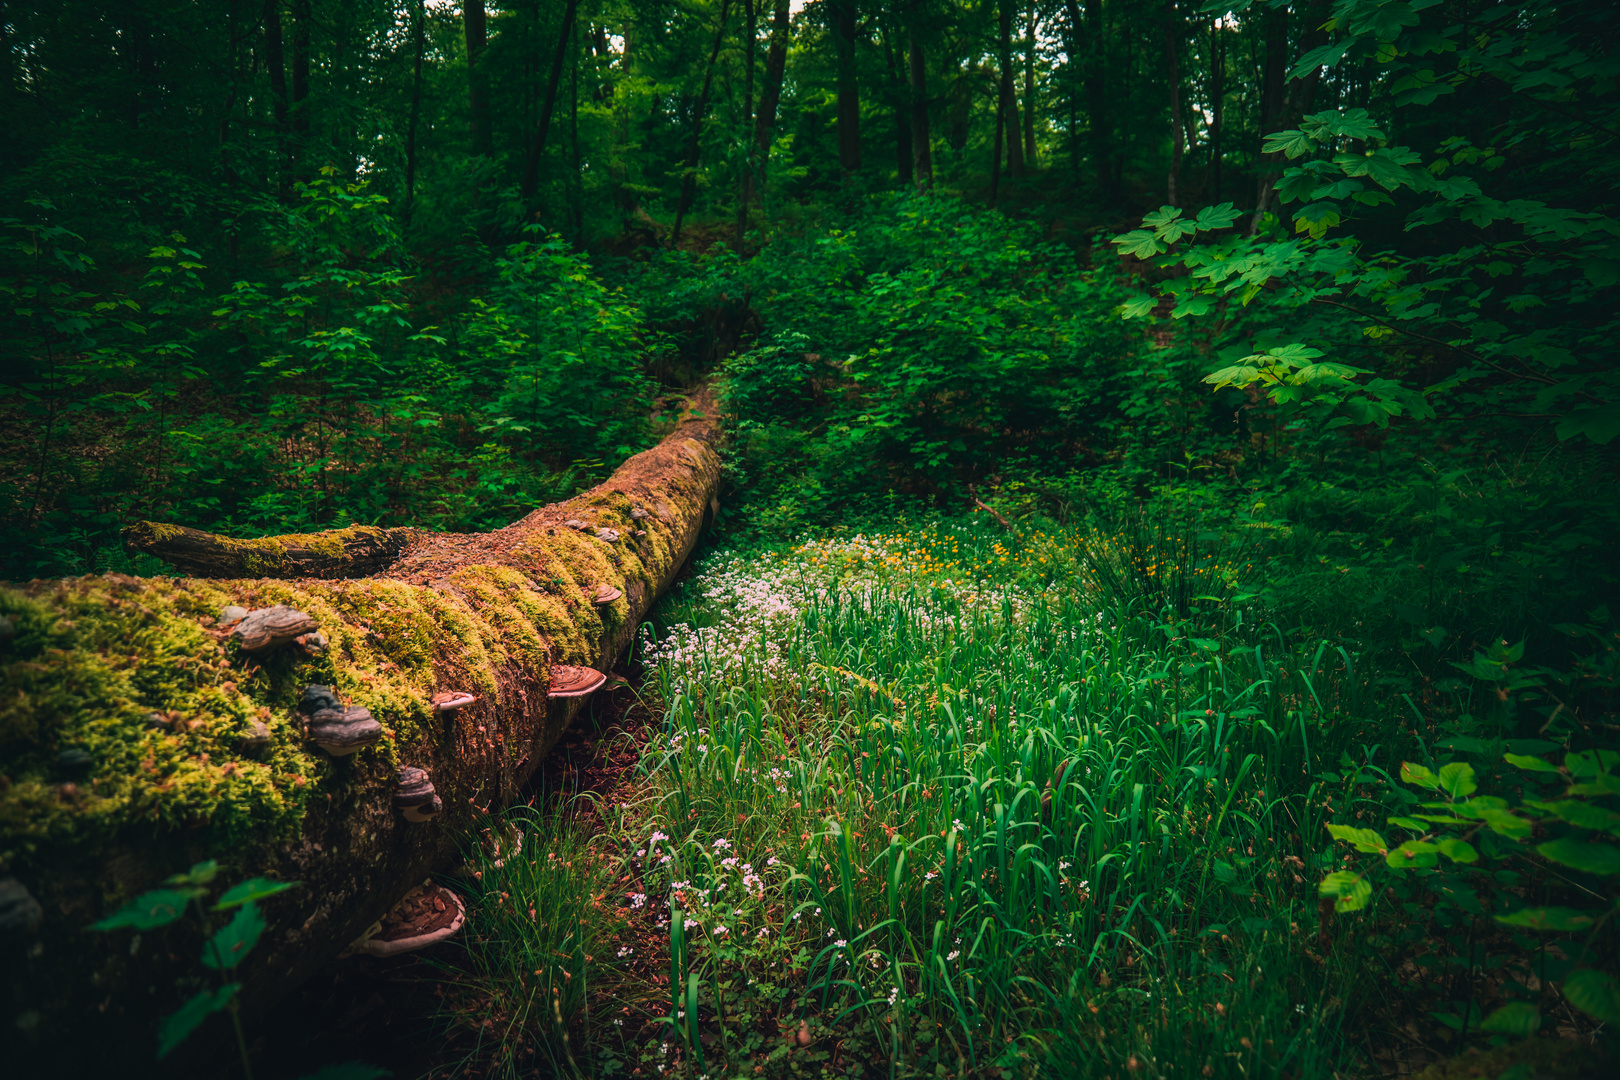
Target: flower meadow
(953, 802)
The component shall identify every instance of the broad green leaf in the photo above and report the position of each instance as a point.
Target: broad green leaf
(1351, 890)
(1419, 775)
(1532, 764)
(230, 945)
(160, 907)
(1457, 780)
(1592, 858)
(1547, 918)
(1217, 217)
(1409, 823)
(1138, 305)
(253, 889)
(1520, 1019)
(1595, 994)
(1139, 242)
(1457, 850)
(1582, 814)
(175, 1027)
(1414, 855)
(1293, 143)
(1508, 824)
(1365, 840)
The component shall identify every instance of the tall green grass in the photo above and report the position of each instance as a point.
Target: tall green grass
(1006, 827)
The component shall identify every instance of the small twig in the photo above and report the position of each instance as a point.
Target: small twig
(1005, 524)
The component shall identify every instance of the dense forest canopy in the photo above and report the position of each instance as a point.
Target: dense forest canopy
(1277, 338)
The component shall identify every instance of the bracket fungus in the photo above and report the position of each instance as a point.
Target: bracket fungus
(315, 698)
(605, 594)
(607, 536)
(268, 627)
(231, 614)
(638, 514)
(576, 524)
(313, 644)
(414, 794)
(340, 732)
(426, 915)
(448, 701)
(568, 681)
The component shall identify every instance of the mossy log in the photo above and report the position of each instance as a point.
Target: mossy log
(336, 553)
(132, 737)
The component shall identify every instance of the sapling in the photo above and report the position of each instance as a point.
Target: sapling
(225, 948)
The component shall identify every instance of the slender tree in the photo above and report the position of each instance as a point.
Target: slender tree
(1173, 62)
(475, 25)
(537, 141)
(771, 93)
(922, 154)
(303, 20)
(694, 148)
(276, 67)
(841, 15)
(750, 39)
(1009, 102)
(419, 46)
(1031, 22)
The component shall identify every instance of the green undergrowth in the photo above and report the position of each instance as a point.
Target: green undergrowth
(950, 800)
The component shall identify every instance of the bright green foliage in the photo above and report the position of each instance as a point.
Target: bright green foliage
(1503, 291)
(1504, 829)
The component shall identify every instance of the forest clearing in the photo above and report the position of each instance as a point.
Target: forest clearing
(813, 538)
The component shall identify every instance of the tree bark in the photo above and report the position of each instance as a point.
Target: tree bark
(275, 63)
(419, 37)
(1217, 94)
(842, 16)
(1173, 58)
(1009, 98)
(1029, 85)
(1282, 105)
(475, 25)
(771, 94)
(898, 94)
(750, 39)
(537, 144)
(302, 20)
(694, 150)
(1097, 116)
(922, 152)
(490, 614)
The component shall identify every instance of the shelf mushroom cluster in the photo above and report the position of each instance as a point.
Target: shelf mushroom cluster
(338, 729)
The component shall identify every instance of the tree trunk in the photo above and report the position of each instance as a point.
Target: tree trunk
(694, 149)
(537, 143)
(302, 20)
(765, 119)
(1217, 93)
(1173, 58)
(898, 82)
(1029, 85)
(489, 614)
(922, 152)
(475, 25)
(1097, 117)
(276, 67)
(842, 16)
(995, 149)
(1009, 99)
(1282, 105)
(751, 34)
(418, 36)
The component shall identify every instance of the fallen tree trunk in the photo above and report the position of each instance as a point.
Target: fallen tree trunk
(138, 735)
